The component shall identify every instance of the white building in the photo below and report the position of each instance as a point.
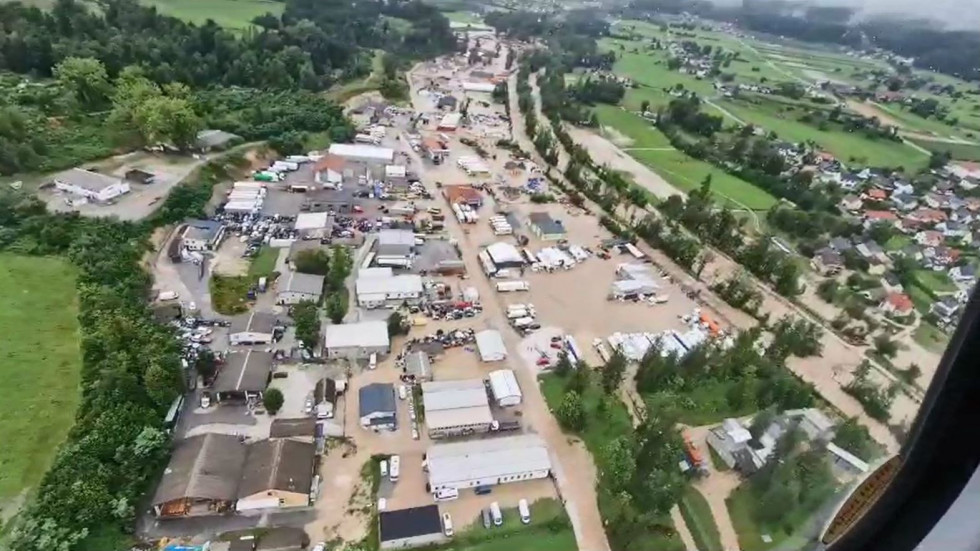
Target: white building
(487, 462)
(450, 121)
(307, 222)
(363, 153)
(90, 185)
(357, 341)
(380, 291)
(483, 87)
(455, 408)
(296, 287)
(491, 345)
(253, 328)
(506, 391)
(202, 235)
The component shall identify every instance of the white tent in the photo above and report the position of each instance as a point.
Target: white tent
(491, 346)
(506, 391)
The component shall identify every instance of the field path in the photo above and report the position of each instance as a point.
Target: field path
(682, 531)
(725, 112)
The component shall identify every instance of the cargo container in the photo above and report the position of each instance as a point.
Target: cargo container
(509, 286)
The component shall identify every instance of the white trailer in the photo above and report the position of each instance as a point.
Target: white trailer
(509, 286)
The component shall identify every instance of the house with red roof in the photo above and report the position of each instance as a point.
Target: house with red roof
(897, 304)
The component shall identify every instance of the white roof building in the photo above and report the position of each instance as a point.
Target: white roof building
(312, 221)
(504, 254)
(456, 407)
(479, 86)
(491, 345)
(487, 462)
(450, 121)
(91, 185)
(506, 391)
(379, 290)
(375, 272)
(395, 171)
(362, 152)
(357, 340)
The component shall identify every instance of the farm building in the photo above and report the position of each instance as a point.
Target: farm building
(244, 375)
(202, 235)
(413, 527)
(278, 474)
(506, 391)
(377, 407)
(297, 287)
(454, 408)
(487, 462)
(90, 185)
(253, 328)
(357, 341)
(491, 345)
(378, 292)
(362, 153)
(545, 227)
(418, 366)
(201, 477)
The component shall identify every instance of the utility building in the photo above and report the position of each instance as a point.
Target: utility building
(454, 408)
(506, 391)
(357, 341)
(254, 328)
(487, 462)
(410, 527)
(381, 291)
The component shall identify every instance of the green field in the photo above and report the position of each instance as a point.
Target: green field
(697, 515)
(687, 173)
(549, 530)
(634, 131)
(958, 151)
(466, 17)
(264, 263)
(343, 92)
(920, 298)
(937, 282)
(233, 14)
(931, 337)
(40, 366)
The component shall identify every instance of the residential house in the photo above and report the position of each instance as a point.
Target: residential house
(905, 202)
(964, 274)
(969, 184)
(902, 188)
(851, 203)
(965, 169)
(941, 256)
(929, 238)
(875, 194)
(872, 217)
(963, 215)
(928, 215)
(936, 201)
(891, 283)
(953, 230)
(946, 309)
(377, 406)
(840, 244)
(827, 261)
(870, 250)
(912, 250)
(898, 304)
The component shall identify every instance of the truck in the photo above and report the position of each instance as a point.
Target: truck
(510, 286)
(515, 314)
(263, 284)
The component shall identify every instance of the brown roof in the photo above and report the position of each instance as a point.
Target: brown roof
(203, 467)
(278, 465)
(333, 162)
(286, 428)
(462, 194)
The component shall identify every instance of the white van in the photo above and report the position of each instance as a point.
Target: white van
(447, 524)
(446, 494)
(525, 511)
(498, 517)
(384, 468)
(402, 392)
(395, 468)
(373, 361)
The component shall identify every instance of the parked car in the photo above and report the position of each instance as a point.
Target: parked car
(447, 524)
(486, 518)
(498, 516)
(482, 490)
(384, 468)
(525, 511)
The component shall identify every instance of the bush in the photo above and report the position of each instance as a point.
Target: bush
(273, 400)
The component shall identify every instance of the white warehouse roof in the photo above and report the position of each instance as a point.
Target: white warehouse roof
(366, 334)
(502, 252)
(478, 86)
(375, 272)
(503, 383)
(491, 345)
(312, 221)
(361, 151)
(389, 285)
(454, 403)
(396, 237)
(489, 458)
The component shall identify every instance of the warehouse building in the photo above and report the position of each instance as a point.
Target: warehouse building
(381, 291)
(450, 122)
(278, 474)
(90, 185)
(297, 287)
(363, 153)
(487, 462)
(545, 227)
(202, 235)
(395, 248)
(506, 391)
(244, 375)
(357, 341)
(254, 328)
(504, 255)
(413, 527)
(455, 408)
(418, 366)
(201, 477)
(491, 345)
(377, 407)
(313, 225)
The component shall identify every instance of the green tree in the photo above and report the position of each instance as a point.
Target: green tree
(618, 464)
(306, 316)
(313, 261)
(854, 437)
(564, 365)
(885, 346)
(761, 422)
(612, 372)
(273, 400)
(86, 79)
(397, 324)
(336, 307)
(206, 365)
(340, 267)
(162, 119)
(571, 412)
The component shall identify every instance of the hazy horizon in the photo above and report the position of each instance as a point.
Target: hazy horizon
(953, 14)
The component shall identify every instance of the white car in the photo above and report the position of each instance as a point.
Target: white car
(382, 504)
(402, 392)
(415, 433)
(308, 405)
(395, 470)
(384, 468)
(447, 524)
(322, 546)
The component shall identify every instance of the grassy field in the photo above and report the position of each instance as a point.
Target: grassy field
(264, 263)
(740, 506)
(39, 365)
(920, 298)
(931, 337)
(637, 131)
(465, 17)
(344, 92)
(233, 14)
(959, 151)
(937, 282)
(549, 530)
(697, 515)
(896, 242)
(687, 173)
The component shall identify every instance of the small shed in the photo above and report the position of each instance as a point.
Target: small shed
(506, 391)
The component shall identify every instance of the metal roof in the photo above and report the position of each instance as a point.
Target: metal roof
(312, 221)
(454, 403)
(409, 523)
(207, 466)
(399, 284)
(418, 364)
(308, 284)
(376, 398)
(86, 179)
(502, 253)
(546, 224)
(255, 322)
(285, 465)
(396, 237)
(503, 383)
(244, 372)
(491, 345)
(486, 459)
(360, 151)
(367, 334)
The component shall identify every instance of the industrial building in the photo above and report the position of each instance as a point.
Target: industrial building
(278, 474)
(491, 345)
(201, 477)
(503, 385)
(381, 291)
(202, 235)
(92, 186)
(357, 341)
(418, 366)
(413, 527)
(313, 224)
(454, 408)
(633, 279)
(487, 462)
(362, 153)
(377, 406)
(296, 287)
(503, 255)
(253, 328)
(545, 227)
(244, 375)
(398, 245)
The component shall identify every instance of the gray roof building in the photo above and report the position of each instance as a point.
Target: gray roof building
(417, 364)
(377, 404)
(255, 322)
(215, 139)
(307, 284)
(395, 242)
(410, 527)
(85, 179)
(202, 468)
(301, 427)
(244, 372)
(279, 464)
(544, 225)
